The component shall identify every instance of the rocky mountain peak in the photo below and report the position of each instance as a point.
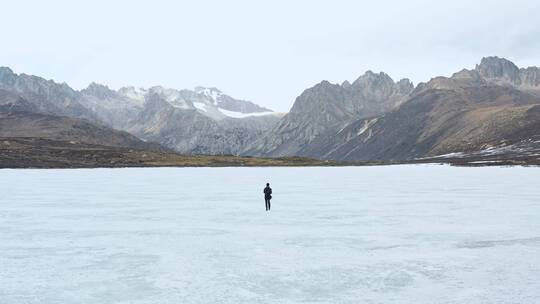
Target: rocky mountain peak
(166, 93)
(204, 90)
(322, 95)
(7, 77)
(405, 85)
(99, 90)
(346, 84)
(324, 84)
(468, 77)
(213, 93)
(501, 69)
(5, 70)
(133, 93)
(373, 79)
(378, 85)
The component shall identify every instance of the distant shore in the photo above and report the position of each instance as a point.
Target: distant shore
(50, 154)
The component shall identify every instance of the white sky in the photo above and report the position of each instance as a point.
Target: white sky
(265, 52)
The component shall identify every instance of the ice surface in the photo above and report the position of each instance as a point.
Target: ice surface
(398, 234)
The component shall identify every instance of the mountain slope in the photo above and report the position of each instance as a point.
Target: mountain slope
(494, 105)
(18, 119)
(464, 113)
(203, 120)
(11, 102)
(191, 131)
(47, 96)
(325, 108)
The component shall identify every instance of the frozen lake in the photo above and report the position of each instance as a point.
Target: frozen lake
(399, 234)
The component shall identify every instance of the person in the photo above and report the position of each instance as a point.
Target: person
(267, 196)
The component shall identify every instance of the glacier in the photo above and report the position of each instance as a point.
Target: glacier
(388, 234)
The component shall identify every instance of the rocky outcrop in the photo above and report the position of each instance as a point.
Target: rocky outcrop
(504, 72)
(499, 70)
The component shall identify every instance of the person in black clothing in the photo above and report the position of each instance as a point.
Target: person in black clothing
(267, 196)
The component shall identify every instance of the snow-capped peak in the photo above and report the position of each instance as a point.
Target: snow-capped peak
(213, 93)
(169, 95)
(208, 101)
(172, 96)
(133, 93)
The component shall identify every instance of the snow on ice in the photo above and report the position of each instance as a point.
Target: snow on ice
(397, 234)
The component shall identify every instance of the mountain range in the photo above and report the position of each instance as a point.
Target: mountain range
(199, 121)
(494, 105)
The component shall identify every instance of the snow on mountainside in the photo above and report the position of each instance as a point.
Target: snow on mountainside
(213, 93)
(210, 102)
(229, 106)
(203, 121)
(244, 115)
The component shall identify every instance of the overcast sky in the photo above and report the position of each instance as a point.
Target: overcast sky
(265, 52)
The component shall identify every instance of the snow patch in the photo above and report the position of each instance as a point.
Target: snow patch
(367, 125)
(485, 162)
(200, 106)
(449, 155)
(243, 115)
(212, 93)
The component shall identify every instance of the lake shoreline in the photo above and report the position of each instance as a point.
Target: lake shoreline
(33, 153)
